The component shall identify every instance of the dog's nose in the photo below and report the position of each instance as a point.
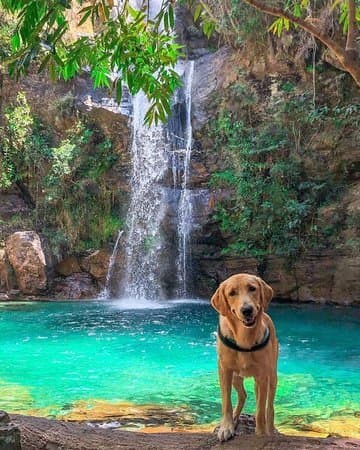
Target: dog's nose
(247, 310)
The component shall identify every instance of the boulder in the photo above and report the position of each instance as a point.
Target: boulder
(75, 286)
(68, 266)
(27, 258)
(96, 264)
(9, 433)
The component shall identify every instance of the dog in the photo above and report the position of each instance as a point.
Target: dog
(247, 347)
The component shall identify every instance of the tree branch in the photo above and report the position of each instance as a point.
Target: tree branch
(337, 49)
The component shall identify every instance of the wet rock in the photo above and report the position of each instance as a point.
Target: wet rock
(198, 174)
(212, 270)
(39, 433)
(68, 266)
(9, 433)
(75, 286)
(96, 264)
(27, 258)
(346, 282)
(130, 414)
(323, 277)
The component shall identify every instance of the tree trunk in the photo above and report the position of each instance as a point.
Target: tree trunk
(352, 30)
(353, 68)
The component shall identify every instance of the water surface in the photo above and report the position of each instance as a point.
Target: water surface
(54, 354)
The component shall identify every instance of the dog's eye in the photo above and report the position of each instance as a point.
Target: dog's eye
(232, 293)
(252, 288)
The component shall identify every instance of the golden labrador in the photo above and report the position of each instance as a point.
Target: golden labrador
(247, 347)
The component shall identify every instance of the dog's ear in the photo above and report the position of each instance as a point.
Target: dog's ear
(266, 294)
(219, 302)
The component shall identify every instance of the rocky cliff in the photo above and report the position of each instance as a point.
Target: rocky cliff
(327, 269)
(249, 83)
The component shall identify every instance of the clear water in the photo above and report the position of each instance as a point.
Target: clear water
(54, 354)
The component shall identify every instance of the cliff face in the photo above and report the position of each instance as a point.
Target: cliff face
(248, 84)
(248, 87)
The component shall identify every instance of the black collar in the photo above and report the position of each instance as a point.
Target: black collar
(234, 346)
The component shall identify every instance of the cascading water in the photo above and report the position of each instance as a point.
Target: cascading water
(146, 211)
(152, 254)
(106, 291)
(154, 152)
(185, 203)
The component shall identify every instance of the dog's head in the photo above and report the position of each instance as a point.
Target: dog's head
(243, 296)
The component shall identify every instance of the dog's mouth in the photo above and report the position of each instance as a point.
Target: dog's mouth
(249, 321)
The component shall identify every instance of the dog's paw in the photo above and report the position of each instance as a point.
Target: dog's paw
(226, 432)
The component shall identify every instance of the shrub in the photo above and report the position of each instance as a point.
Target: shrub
(274, 204)
(65, 183)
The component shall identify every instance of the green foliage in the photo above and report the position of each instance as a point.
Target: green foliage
(127, 47)
(235, 21)
(300, 9)
(66, 181)
(23, 144)
(65, 105)
(225, 17)
(6, 30)
(75, 188)
(274, 204)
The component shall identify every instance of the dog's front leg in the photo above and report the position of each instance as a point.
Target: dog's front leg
(270, 429)
(227, 429)
(261, 388)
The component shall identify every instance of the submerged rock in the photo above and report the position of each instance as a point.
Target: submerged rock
(130, 415)
(27, 258)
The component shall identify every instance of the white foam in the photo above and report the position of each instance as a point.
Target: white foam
(138, 303)
(193, 301)
(105, 425)
(127, 304)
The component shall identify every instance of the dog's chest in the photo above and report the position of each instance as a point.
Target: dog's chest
(245, 365)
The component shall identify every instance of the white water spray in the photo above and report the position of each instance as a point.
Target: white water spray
(106, 291)
(146, 210)
(185, 204)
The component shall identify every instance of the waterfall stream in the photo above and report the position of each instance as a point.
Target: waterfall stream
(159, 219)
(185, 203)
(143, 241)
(106, 291)
(156, 151)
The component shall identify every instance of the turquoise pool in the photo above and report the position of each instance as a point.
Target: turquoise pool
(54, 354)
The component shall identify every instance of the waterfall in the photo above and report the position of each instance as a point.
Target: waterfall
(185, 203)
(157, 151)
(106, 291)
(151, 255)
(146, 210)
